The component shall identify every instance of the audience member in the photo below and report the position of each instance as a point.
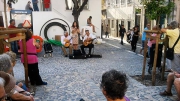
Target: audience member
(33, 70)
(28, 6)
(35, 5)
(107, 31)
(14, 45)
(47, 5)
(173, 35)
(114, 85)
(143, 37)
(135, 38)
(12, 56)
(10, 83)
(122, 31)
(2, 91)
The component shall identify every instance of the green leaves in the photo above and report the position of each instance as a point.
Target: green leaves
(155, 8)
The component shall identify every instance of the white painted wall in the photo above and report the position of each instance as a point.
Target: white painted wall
(1, 7)
(59, 11)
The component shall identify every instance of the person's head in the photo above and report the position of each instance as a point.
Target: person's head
(155, 27)
(29, 2)
(75, 24)
(135, 28)
(114, 84)
(65, 33)
(87, 32)
(28, 35)
(173, 25)
(122, 26)
(90, 17)
(2, 91)
(12, 55)
(148, 26)
(5, 63)
(12, 22)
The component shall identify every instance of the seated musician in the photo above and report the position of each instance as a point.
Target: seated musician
(89, 23)
(66, 43)
(87, 42)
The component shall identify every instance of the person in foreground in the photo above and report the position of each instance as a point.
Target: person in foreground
(173, 35)
(114, 85)
(12, 90)
(32, 59)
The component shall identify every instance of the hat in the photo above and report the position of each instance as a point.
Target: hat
(86, 29)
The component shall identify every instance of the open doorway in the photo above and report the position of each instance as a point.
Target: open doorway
(1, 22)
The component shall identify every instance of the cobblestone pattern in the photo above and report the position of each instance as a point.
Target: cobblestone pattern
(73, 79)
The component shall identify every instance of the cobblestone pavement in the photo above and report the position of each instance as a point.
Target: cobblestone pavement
(73, 79)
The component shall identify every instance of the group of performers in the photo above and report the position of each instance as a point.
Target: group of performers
(72, 41)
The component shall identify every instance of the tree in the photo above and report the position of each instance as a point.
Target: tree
(156, 8)
(77, 9)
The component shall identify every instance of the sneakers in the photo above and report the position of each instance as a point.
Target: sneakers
(43, 83)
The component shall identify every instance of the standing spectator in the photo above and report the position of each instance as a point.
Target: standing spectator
(143, 38)
(14, 45)
(35, 5)
(28, 6)
(173, 35)
(9, 5)
(114, 85)
(135, 39)
(47, 5)
(33, 70)
(107, 31)
(122, 31)
(102, 30)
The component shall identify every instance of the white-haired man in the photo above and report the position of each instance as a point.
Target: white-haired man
(173, 34)
(66, 43)
(2, 91)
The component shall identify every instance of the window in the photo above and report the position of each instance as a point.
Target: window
(69, 4)
(112, 24)
(129, 1)
(122, 2)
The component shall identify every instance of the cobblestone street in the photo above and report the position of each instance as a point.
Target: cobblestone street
(73, 79)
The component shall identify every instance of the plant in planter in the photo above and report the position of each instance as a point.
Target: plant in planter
(156, 8)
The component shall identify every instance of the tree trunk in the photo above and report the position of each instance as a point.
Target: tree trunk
(1, 40)
(67, 7)
(77, 10)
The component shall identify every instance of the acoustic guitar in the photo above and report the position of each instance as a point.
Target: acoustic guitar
(87, 42)
(67, 42)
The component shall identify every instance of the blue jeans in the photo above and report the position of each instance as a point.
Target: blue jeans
(14, 47)
(35, 6)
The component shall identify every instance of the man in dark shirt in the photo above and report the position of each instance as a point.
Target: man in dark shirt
(14, 45)
(122, 31)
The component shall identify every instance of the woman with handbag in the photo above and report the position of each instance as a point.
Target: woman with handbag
(174, 45)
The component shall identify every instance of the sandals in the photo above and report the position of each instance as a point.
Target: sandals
(165, 93)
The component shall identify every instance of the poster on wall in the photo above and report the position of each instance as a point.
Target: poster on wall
(20, 16)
